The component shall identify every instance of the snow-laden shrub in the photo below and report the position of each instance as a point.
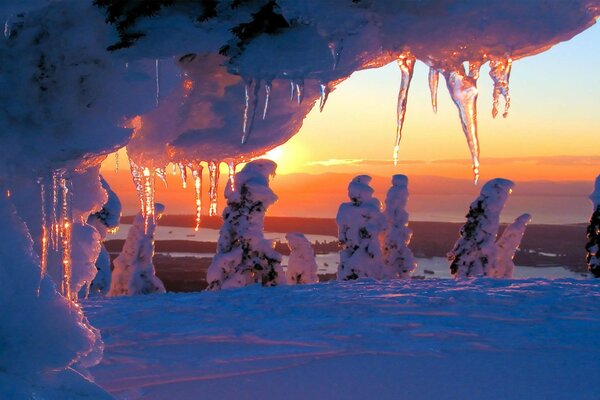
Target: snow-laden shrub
(593, 233)
(244, 257)
(507, 245)
(302, 266)
(134, 272)
(474, 253)
(360, 223)
(399, 261)
(105, 220)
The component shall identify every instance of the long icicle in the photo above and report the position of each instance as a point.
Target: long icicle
(251, 89)
(44, 222)
(268, 87)
(197, 174)
(434, 77)
(183, 175)
(325, 89)
(136, 175)
(65, 235)
(157, 77)
(300, 91)
(292, 90)
(213, 190)
(463, 91)
(231, 166)
(148, 199)
(116, 162)
(335, 47)
(500, 74)
(406, 62)
(55, 224)
(162, 175)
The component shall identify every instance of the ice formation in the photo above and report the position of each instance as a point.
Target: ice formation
(360, 223)
(406, 62)
(593, 233)
(302, 267)
(398, 259)
(506, 247)
(475, 252)
(106, 220)
(133, 272)
(244, 257)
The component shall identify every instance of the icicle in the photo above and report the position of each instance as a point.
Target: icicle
(463, 91)
(406, 62)
(325, 89)
(55, 225)
(293, 90)
(197, 174)
(136, 175)
(44, 222)
(231, 166)
(300, 90)
(335, 47)
(500, 74)
(174, 169)
(213, 190)
(183, 175)
(66, 226)
(162, 175)
(251, 101)
(116, 162)
(156, 74)
(434, 77)
(474, 68)
(268, 87)
(148, 199)
(7, 29)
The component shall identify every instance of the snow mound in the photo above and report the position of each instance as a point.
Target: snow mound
(414, 339)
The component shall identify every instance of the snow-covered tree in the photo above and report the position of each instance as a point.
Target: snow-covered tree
(134, 272)
(360, 223)
(507, 245)
(105, 220)
(399, 261)
(474, 253)
(244, 257)
(593, 233)
(302, 267)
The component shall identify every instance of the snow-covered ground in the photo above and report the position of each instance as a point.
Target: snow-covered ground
(434, 339)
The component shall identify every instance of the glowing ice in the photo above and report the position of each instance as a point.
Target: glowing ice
(463, 91)
(213, 190)
(500, 73)
(406, 62)
(197, 174)
(268, 87)
(434, 77)
(325, 89)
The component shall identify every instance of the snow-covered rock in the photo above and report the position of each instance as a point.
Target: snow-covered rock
(360, 223)
(244, 257)
(399, 261)
(134, 272)
(302, 266)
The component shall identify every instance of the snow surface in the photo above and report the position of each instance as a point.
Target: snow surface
(434, 339)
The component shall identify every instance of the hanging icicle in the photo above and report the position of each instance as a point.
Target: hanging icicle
(66, 226)
(406, 62)
(157, 78)
(136, 175)
(292, 90)
(500, 74)
(231, 166)
(45, 234)
(116, 162)
(268, 87)
(183, 175)
(434, 77)
(197, 174)
(148, 198)
(162, 175)
(251, 89)
(213, 190)
(325, 89)
(55, 225)
(463, 91)
(173, 169)
(335, 47)
(300, 90)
